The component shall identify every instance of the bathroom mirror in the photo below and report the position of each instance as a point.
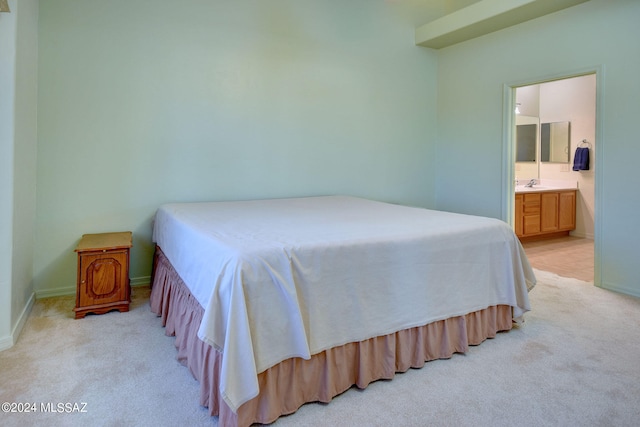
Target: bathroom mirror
(554, 142)
(526, 139)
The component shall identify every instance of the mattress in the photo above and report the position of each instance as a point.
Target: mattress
(287, 278)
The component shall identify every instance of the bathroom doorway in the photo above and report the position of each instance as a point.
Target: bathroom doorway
(571, 104)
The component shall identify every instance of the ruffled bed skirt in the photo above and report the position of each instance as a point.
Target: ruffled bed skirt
(290, 384)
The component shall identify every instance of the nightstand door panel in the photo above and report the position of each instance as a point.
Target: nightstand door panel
(103, 278)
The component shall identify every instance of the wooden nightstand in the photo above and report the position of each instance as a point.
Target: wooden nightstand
(103, 273)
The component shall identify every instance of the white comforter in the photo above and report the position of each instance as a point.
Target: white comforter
(292, 277)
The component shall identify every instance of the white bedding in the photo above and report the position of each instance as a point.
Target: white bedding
(292, 277)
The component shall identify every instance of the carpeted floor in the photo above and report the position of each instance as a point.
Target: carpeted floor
(573, 363)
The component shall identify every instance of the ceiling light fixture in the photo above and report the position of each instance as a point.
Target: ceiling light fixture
(4, 6)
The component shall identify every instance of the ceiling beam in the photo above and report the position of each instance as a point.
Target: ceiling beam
(484, 17)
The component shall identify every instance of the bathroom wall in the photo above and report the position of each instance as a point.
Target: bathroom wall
(574, 100)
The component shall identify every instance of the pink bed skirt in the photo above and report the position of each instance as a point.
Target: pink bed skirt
(294, 382)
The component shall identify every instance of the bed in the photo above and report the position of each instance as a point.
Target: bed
(276, 303)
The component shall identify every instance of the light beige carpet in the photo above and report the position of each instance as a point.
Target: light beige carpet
(575, 362)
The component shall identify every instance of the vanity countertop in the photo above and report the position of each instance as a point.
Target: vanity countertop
(545, 185)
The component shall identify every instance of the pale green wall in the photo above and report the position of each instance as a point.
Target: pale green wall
(18, 142)
(147, 102)
(600, 35)
(8, 25)
(25, 155)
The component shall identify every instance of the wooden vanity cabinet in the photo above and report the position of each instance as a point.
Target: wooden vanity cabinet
(545, 213)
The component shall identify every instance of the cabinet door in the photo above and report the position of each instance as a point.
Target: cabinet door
(103, 278)
(567, 210)
(549, 212)
(518, 225)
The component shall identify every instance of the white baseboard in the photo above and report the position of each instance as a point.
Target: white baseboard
(8, 342)
(621, 289)
(71, 290)
(582, 235)
(140, 281)
(55, 292)
(23, 317)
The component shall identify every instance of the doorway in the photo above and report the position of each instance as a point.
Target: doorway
(572, 102)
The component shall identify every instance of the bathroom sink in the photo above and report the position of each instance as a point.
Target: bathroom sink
(553, 185)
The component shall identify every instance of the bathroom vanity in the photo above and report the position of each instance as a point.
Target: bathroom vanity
(544, 211)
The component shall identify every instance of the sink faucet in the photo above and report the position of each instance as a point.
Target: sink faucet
(531, 183)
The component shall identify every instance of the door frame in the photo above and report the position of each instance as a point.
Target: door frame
(508, 151)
